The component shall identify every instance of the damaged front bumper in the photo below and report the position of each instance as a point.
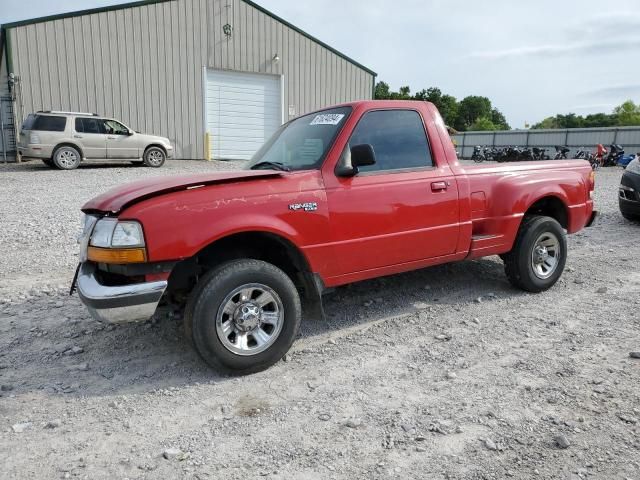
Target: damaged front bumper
(117, 304)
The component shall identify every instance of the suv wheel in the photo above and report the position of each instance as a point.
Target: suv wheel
(244, 316)
(154, 157)
(66, 158)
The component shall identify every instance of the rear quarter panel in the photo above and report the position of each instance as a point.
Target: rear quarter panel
(500, 195)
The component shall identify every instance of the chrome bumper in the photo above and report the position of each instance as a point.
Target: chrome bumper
(121, 304)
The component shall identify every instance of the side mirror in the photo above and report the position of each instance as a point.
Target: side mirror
(131, 132)
(357, 156)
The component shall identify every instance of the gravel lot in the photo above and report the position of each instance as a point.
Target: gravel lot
(443, 373)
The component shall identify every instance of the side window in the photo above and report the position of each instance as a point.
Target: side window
(116, 128)
(47, 123)
(398, 138)
(90, 125)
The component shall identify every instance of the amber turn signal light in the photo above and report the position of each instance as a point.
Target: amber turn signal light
(117, 255)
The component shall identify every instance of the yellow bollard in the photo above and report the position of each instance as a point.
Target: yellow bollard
(207, 146)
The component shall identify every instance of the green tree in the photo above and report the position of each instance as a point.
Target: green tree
(483, 124)
(546, 124)
(403, 94)
(498, 119)
(382, 91)
(470, 109)
(446, 104)
(460, 115)
(599, 120)
(628, 114)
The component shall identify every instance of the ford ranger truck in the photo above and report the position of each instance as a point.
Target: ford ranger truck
(345, 194)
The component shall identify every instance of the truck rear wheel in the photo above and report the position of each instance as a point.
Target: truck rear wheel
(539, 254)
(244, 316)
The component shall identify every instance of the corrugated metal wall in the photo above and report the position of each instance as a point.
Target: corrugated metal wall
(144, 65)
(7, 139)
(575, 138)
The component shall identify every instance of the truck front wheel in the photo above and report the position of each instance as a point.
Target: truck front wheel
(539, 254)
(244, 316)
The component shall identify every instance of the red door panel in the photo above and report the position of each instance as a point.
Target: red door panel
(385, 219)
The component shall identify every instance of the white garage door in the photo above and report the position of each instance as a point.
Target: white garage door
(243, 111)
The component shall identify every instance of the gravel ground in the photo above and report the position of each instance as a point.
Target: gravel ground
(442, 373)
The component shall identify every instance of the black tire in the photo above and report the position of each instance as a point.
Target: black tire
(630, 216)
(154, 157)
(519, 261)
(66, 157)
(207, 299)
(48, 162)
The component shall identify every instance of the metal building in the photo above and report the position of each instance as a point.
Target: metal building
(177, 68)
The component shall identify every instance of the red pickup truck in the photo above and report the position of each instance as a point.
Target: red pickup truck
(345, 194)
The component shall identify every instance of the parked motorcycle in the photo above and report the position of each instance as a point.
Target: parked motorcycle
(626, 160)
(540, 154)
(526, 154)
(582, 153)
(593, 160)
(616, 152)
(478, 155)
(562, 152)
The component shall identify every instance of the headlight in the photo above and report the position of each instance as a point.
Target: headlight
(102, 233)
(117, 242)
(109, 232)
(634, 166)
(127, 234)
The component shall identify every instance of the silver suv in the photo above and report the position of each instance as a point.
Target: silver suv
(64, 139)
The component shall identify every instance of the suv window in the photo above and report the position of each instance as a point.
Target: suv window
(45, 123)
(28, 122)
(115, 128)
(90, 125)
(397, 137)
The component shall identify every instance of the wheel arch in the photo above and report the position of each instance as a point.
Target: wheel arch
(255, 244)
(158, 145)
(550, 206)
(68, 144)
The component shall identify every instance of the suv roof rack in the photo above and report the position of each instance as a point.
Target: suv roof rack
(68, 113)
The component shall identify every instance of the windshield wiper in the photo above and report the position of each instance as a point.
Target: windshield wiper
(273, 165)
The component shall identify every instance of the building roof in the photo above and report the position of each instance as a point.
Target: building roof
(151, 2)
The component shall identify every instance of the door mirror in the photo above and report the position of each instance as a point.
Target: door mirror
(130, 132)
(363, 155)
(357, 156)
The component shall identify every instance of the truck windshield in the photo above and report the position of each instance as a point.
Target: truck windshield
(303, 143)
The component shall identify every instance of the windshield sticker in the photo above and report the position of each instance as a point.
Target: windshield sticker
(327, 119)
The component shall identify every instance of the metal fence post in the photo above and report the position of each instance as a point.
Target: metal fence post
(4, 137)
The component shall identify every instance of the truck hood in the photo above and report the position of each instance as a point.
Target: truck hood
(116, 199)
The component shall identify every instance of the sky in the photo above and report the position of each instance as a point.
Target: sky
(533, 59)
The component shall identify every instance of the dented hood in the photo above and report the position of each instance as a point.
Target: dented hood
(116, 199)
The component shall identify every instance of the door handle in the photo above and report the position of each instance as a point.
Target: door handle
(77, 136)
(438, 186)
(111, 138)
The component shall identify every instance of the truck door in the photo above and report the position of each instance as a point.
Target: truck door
(404, 208)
